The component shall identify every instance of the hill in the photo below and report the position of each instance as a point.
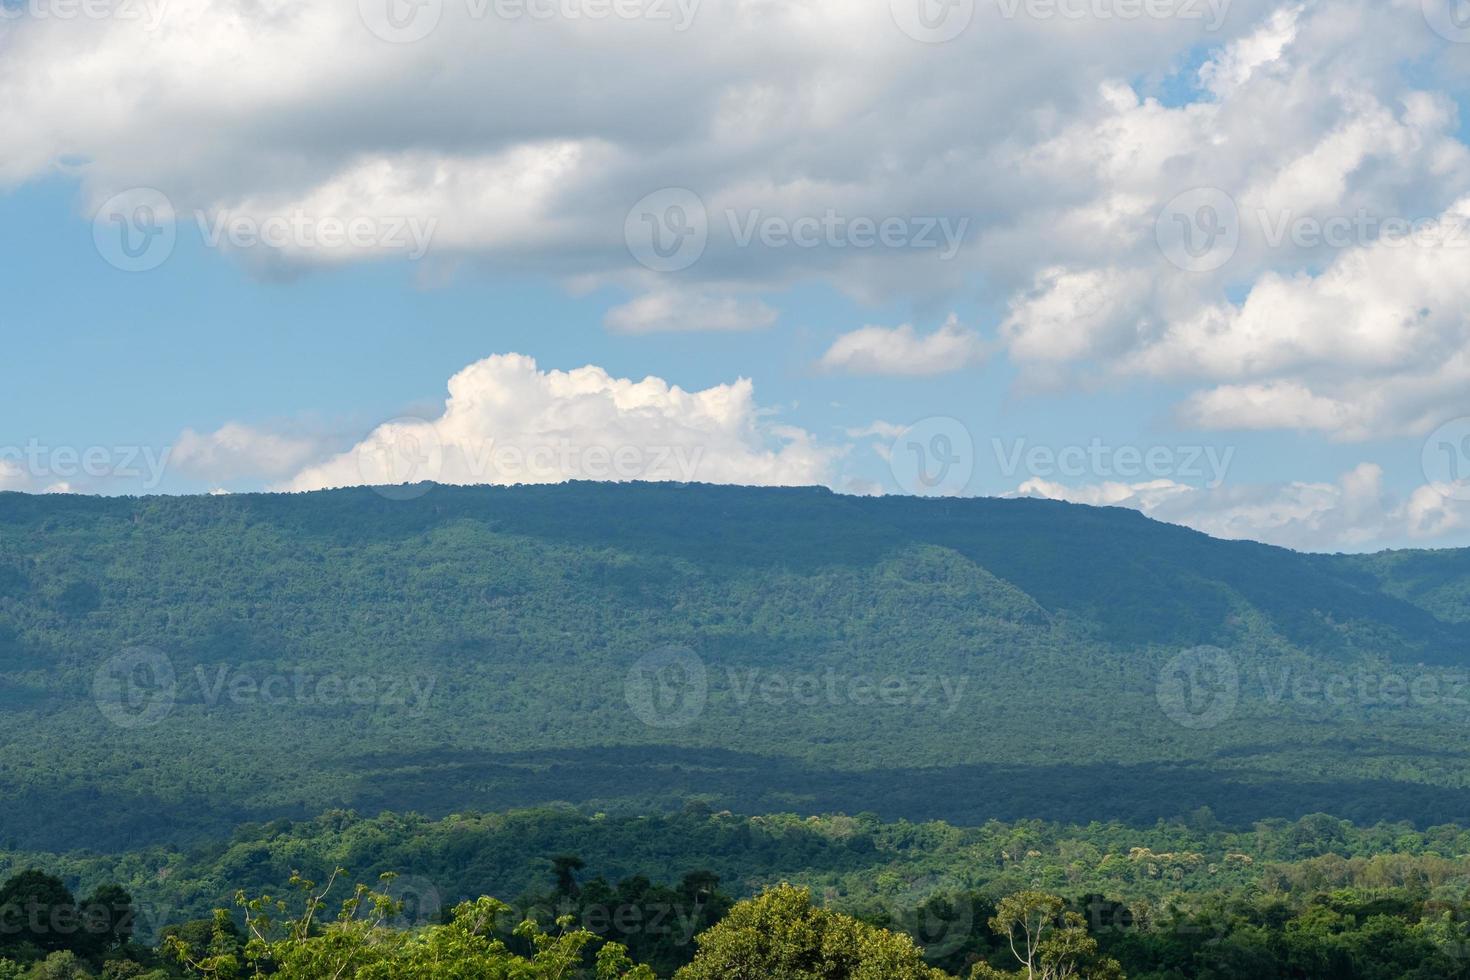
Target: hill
(170, 667)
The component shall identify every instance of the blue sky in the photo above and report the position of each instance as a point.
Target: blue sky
(1308, 376)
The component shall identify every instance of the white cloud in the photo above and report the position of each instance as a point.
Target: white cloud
(506, 421)
(878, 429)
(17, 476)
(236, 451)
(672, 308)
(13, 477)
(1323, 316)
(524, 143)
(229, 106)
(903, 351)
(1354, 513)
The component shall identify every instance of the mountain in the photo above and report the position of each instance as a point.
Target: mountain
(172, 666)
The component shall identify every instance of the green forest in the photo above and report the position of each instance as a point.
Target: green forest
(664, 730)
(778, 896)
(476, 647)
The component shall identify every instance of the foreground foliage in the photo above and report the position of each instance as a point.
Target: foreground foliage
(1315, 899)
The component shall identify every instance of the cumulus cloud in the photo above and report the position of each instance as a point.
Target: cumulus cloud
(13, 477)
(471, 128)
(507, 421)
(1353, 513)
(903, 351)
(520, 145)
(1310, 280)
(237, 451)
(1298, 111)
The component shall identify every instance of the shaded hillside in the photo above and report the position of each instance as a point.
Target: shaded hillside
(489, 647)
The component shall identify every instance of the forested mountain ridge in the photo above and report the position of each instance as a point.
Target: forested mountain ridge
(482, 647)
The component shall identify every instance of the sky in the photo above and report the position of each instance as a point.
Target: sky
(1203, 258)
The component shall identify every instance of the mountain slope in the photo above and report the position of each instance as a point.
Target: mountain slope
(170, 666)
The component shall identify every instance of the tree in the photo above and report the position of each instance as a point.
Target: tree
(781, 935)
(107, 919)
(565, 867)
(1050, 942)
(37, 909)
(360, 945)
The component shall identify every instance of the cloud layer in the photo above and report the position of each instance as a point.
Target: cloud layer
(506, 421)
(1353, 513)
(903, 351)
(818, 141)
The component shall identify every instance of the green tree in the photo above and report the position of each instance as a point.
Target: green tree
(106, 918)
(37, 909)
(782, 935)
(1049, 941)
(359, 945)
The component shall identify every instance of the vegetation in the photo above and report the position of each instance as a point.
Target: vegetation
(562, 696)
(472, 648)
(1313, 898)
